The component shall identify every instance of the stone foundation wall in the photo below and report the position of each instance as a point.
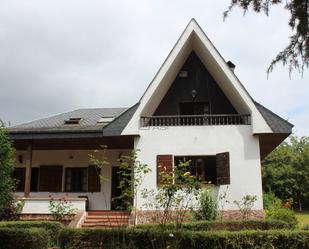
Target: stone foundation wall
(156, 216)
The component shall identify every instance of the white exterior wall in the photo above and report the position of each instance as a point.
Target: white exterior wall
(245, 166)
(75, 158)
(41, 205)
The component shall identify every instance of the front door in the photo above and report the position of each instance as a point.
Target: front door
(117, 203)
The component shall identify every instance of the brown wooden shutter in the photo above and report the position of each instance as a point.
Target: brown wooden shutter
(50, 179)
(164, 164)
(223, 168)
(94, 184)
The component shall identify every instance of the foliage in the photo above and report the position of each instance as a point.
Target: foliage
(207, 206)
(61, 208)
(270, 201)
(286, 171)
(245, 205)
(159, 239)
(176, 196)
(306, 227)
(51, 227)
(34, 238)
(228, 225)
(132, 174)
(283, 214)
(8, 209)
(296, 54)
(222, 200)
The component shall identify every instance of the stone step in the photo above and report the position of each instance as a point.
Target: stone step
(111, 217)
(106, 221)
(104, 225)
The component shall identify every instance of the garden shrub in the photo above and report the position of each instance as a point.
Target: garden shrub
(283, 214)
(223, 225)
(270, 201)
(52, 228)
(29, 238)
(207, 207)
(141, 238)
(8, 209)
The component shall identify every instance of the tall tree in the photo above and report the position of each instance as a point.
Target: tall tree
(286, 171)
(296, 53)
(7, 184)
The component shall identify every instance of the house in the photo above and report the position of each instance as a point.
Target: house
(195, 108)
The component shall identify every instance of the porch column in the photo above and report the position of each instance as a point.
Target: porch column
(28, 169)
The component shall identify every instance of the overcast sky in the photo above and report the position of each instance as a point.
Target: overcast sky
(61, 55)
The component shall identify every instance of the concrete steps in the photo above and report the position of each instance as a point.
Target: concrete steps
(106, 219)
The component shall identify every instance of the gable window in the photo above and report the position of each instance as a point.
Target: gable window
(19, 174)
(76, 179)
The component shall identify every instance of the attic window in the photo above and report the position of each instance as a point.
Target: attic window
(105, 120)
(72, 121)
(183, 74)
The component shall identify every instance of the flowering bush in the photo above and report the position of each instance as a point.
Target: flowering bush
(61, 208)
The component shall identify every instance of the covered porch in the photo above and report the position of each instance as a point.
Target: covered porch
(61, 167)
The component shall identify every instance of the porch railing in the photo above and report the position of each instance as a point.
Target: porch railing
(191, 120)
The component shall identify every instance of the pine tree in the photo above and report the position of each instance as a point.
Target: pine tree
(296, 54)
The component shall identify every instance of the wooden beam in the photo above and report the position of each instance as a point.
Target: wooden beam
(28, 169)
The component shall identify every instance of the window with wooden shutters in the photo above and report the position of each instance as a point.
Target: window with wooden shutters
(76, 179)
(94, 184)
(223, 168)
(164, 169)
(50, 179)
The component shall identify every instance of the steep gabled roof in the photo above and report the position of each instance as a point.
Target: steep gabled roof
(194, 39)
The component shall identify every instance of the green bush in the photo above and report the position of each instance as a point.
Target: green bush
(223, 225)
(283, 214)
(208, 206)
(146, 239)
(30, 238)
(306, 227)
(270, 201)
(7, 184)
(52, 228)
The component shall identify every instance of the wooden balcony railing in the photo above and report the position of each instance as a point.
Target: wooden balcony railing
(190, 120)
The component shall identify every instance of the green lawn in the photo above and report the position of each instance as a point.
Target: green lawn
(303, 218)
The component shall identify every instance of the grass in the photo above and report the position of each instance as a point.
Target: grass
(303, 218)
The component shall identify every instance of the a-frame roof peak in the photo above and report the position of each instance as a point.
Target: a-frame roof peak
(194, 39)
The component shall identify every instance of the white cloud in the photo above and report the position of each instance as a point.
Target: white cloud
(60, 55)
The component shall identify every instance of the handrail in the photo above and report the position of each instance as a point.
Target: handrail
(192, 120)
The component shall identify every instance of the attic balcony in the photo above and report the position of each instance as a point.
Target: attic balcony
(196, 120)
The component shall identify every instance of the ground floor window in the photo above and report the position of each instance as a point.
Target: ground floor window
(76, 179)
(202, 167)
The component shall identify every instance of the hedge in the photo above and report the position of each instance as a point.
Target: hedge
(150, 239)
(224, 225)
(29, 238)
(53, 228)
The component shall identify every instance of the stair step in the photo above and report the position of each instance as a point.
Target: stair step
(105, 225)
(107, 217)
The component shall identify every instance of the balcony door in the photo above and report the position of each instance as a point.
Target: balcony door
(194, 108)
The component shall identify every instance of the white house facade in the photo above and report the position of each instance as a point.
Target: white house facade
(195, 109)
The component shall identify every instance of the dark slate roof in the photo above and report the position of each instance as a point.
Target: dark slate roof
(55, 124)
(116, 127)
(275, 122)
